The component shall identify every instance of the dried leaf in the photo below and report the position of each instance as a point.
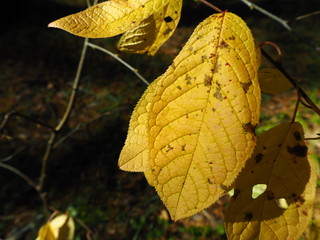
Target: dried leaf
(152, 32)
(109, 18)
(283, 210)
(272, 81)
(200, 125)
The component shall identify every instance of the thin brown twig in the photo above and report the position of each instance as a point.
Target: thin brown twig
(296, 107)
(211, 6)
(275, 46)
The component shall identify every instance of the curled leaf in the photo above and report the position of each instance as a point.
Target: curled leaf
(152, 32)
(282, 211)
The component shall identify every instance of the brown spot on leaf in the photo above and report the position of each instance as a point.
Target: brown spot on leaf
(258, 157)
(169, 148)
(183, 147)
(246, 86)
(209, 181)
(298, 150)
(207, 80)
(297, 135)
(232, 38)
(223, 44)
(270, 195)
(248, 216)
(179, 87)
(203, 58)
(218, 94)
(248, 127)
(188, 79)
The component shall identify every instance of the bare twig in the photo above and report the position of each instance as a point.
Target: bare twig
(269, 14)
(135, 71)
(307, 15)
(211, 6)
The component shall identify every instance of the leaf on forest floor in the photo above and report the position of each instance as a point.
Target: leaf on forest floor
(110, 18)
(152, 32)
(60, 228)
(281, 212)
(197, 120)
(272, 81)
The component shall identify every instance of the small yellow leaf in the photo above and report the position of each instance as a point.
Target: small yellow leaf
(272, 81)
(109, 18)
(60, 228)
(152, 32)
(283, 210)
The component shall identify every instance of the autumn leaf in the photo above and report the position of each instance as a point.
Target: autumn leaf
(110, 18)
(272, 81)
(199, 126)
(282, 211)
(152, 32)
(60, 228)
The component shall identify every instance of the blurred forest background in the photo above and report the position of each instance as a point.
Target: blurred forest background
(37, 68)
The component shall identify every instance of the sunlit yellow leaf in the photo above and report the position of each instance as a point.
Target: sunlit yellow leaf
(60, 228)
(283, 210)
(272, 81)
(200, 123)
(109, 18)
(152, 32)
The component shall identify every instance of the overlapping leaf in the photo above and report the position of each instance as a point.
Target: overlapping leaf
(281, 212)
(109, 18)
(272, 81)
(152, 32)
(199, 126)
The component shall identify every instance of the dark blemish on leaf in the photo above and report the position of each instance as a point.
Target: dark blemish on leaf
(188, 79)
(169, 148)
(297, 135)
(207, 80)
(304, 212)
(210, 162)
(232, 38)
(223, 187)
(218, 94)
(297, 199)
(166, 32)
(270, 195)
(227, 64)
(179, 87)
(142, 6)
(248, 216)
(213, 109)
(248, 127)
(298, 150)
(209, 181)
(168, 19)
(204, 57)
(258, 157)
(212, 55)
(246, 86)
(187, 116)
(223, 44)
(252, 171)
(183, 147)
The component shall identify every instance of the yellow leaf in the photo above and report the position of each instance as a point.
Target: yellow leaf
(272, 81)
(109, 18)
(283, 210)
(199, 126)
(152, 32)
(60, 228)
